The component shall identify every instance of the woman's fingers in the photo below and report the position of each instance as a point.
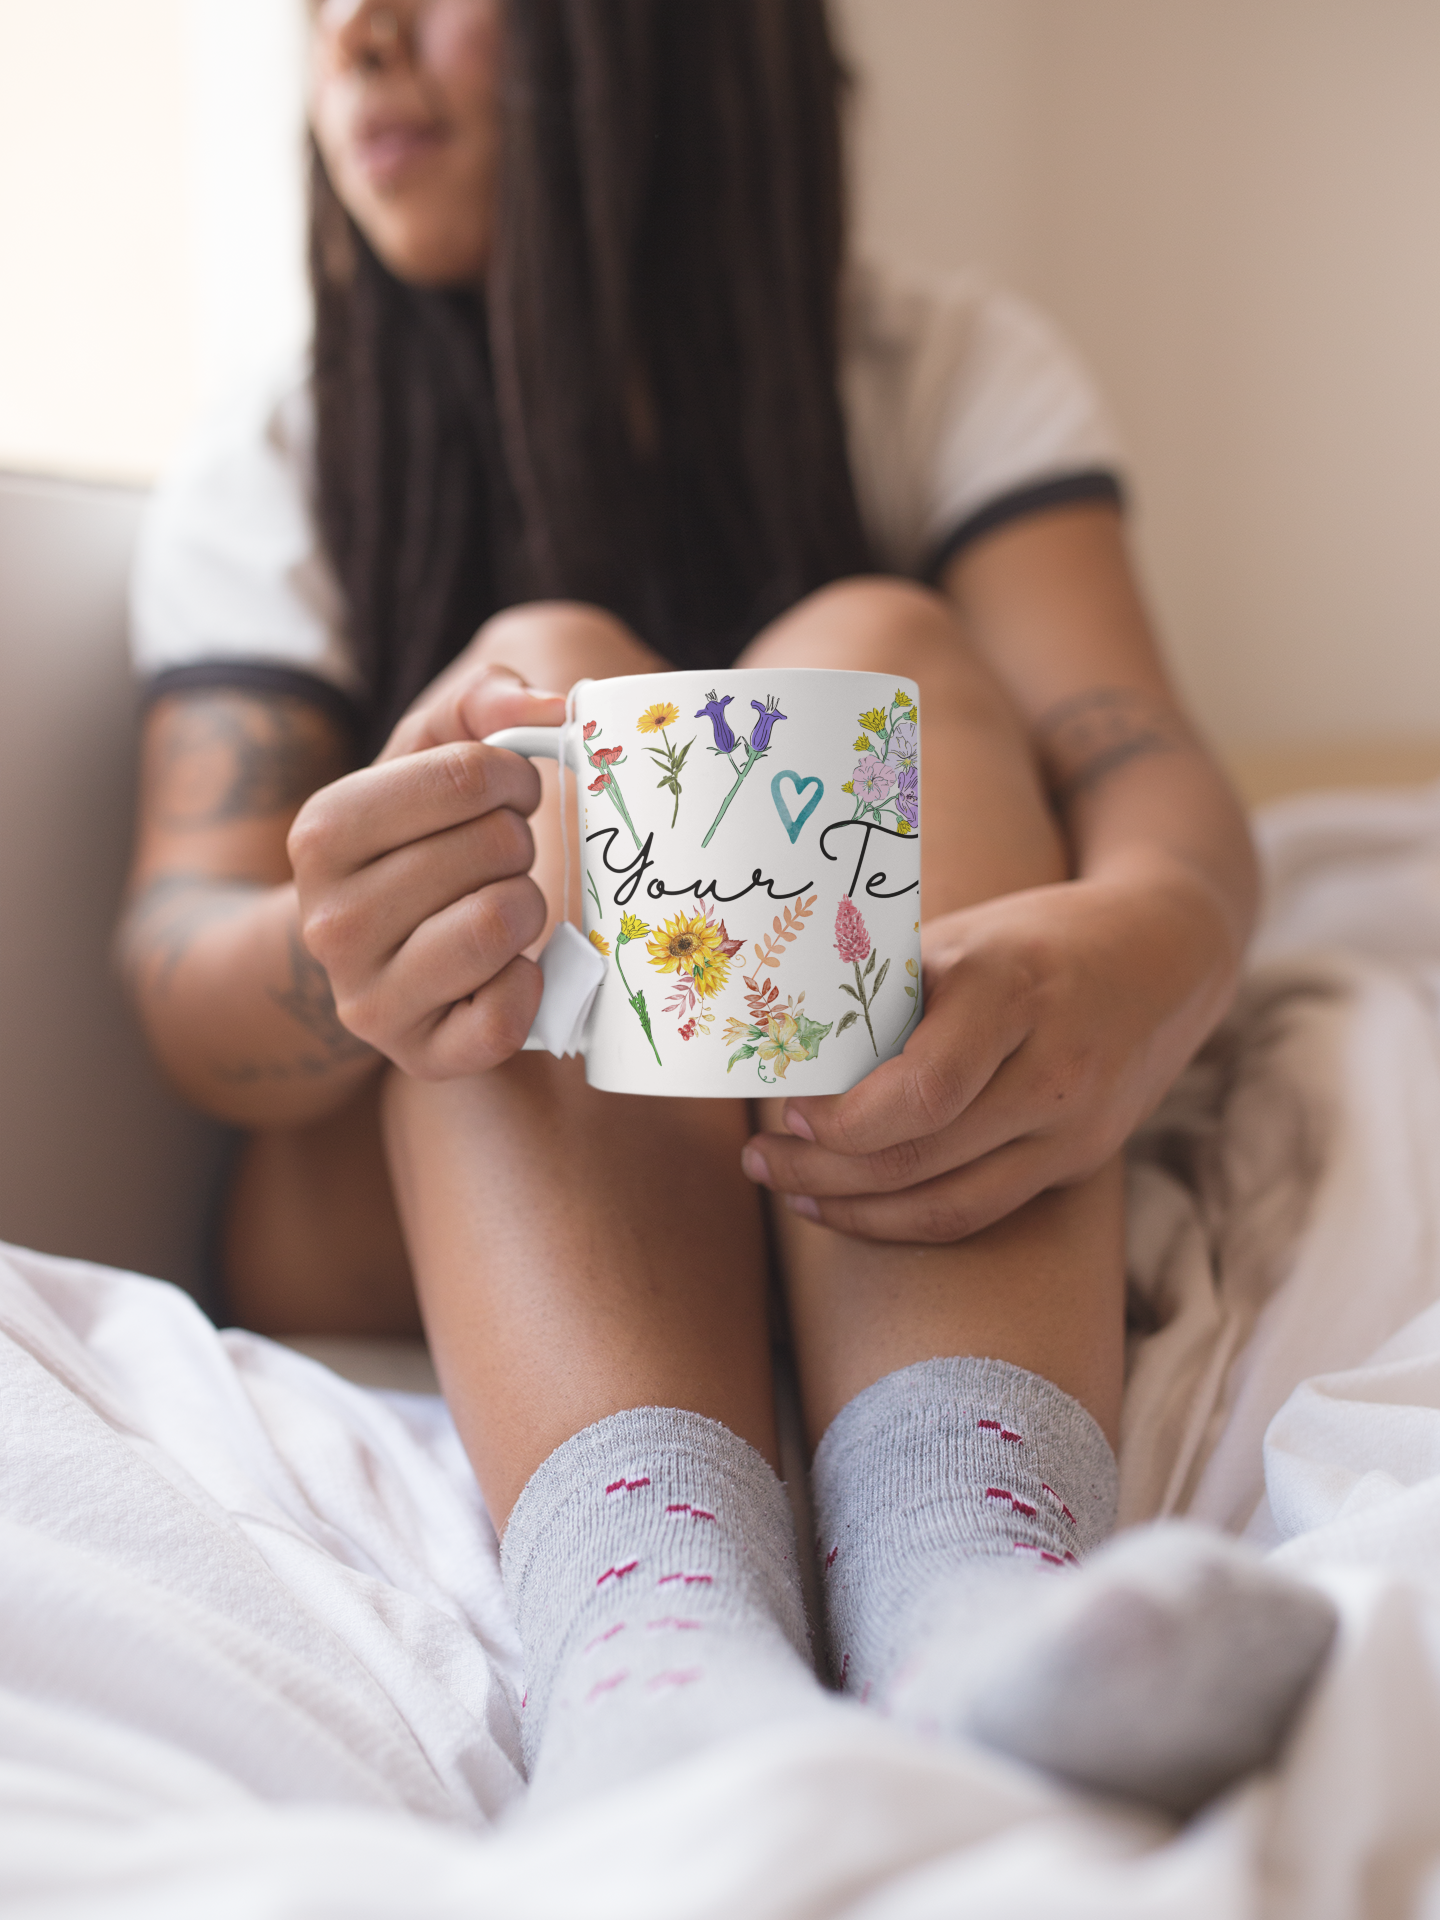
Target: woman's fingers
(450, 958)
(473, 1035)
(948, 1208)
(457, 952)
(972, 1024)
(469, 702)
(370, 813)
(378, 908)
(1004, 1111)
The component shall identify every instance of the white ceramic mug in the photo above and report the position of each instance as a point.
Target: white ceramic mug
(750, 853)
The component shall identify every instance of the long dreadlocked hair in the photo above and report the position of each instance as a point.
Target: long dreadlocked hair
(640, 406)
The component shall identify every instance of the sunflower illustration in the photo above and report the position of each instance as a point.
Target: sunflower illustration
(684, 943)
(655, 719)
(711, 975)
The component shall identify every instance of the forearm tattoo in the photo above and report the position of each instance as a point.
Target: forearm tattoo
(1085, 739)
(228, 756)
(158, 931)
(310, 1003)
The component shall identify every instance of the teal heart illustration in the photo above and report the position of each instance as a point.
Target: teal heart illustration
(793, 823)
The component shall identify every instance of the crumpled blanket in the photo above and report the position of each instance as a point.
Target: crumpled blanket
(254, 1657)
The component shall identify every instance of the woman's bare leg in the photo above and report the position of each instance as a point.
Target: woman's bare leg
(577, 1253)
(1042, 1289)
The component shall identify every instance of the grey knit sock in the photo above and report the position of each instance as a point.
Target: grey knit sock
(937, 1474)
(955, 1500)
(651, 1564)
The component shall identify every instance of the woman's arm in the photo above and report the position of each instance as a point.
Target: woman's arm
(289, 924)
(1055, 1018)
(238, 1013)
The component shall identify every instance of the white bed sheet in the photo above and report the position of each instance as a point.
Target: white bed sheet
(254, 1657)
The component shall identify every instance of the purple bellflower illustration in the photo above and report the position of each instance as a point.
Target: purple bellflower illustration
(767, 715)
(763, 728)
(714, 712)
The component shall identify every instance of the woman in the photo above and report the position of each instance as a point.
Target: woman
(588, 386)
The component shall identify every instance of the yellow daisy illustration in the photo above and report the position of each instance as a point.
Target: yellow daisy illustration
(902, 825)
(684, 943)
(864, 744)
(902, 699)
(632, 927)
(875, 720)
(598, 941)
(661, 715)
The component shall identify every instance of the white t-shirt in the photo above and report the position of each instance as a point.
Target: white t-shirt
(964, 409)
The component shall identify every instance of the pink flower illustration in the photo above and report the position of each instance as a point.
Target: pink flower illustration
(852, 942)
(872, 780)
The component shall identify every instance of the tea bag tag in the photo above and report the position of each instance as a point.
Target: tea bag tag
(572, 971)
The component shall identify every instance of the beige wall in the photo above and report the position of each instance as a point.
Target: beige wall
(1234, 205)
(98, 355)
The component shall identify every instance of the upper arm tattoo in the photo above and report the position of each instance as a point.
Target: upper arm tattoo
(1086, 738)
(228, 755)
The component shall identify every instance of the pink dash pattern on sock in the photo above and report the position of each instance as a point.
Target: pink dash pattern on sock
(601, 1638)
(682, 1677)
(1017, 1505)
(844, 1669)
(1045, 1487)
(607, 1685)
(617, 1573)
(1044, 1554)
(830, 1557)
(690, 1579)
(680, 1626)
(627, 1486)
(1005, 1433)
(695, 1513)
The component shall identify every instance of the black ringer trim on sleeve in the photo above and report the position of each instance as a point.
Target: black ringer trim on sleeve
(253, 676)
(1067, 489)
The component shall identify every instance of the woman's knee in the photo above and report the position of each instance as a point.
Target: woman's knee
(869, 623)
(878, 624)
(553, 643)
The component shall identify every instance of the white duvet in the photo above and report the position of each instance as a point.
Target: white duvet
(254, 1657)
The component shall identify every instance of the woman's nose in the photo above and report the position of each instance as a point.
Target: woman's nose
(367, 33)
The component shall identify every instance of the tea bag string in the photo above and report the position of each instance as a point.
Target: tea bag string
(566, 733)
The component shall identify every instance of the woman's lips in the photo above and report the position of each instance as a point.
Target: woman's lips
(385, 153)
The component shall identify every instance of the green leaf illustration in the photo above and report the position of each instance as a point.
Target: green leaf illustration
(879, 980)
(850, 990)
(740, 1053)
(810, 1033)
(846, 1022)
(869, 967)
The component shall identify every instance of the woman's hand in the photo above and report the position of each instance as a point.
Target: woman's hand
(1054, 1021)
(413, 880)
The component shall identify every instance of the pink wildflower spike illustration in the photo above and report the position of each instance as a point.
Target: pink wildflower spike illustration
(852, 940)
(852, 943)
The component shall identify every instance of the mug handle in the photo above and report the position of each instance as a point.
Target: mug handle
(571, 968)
